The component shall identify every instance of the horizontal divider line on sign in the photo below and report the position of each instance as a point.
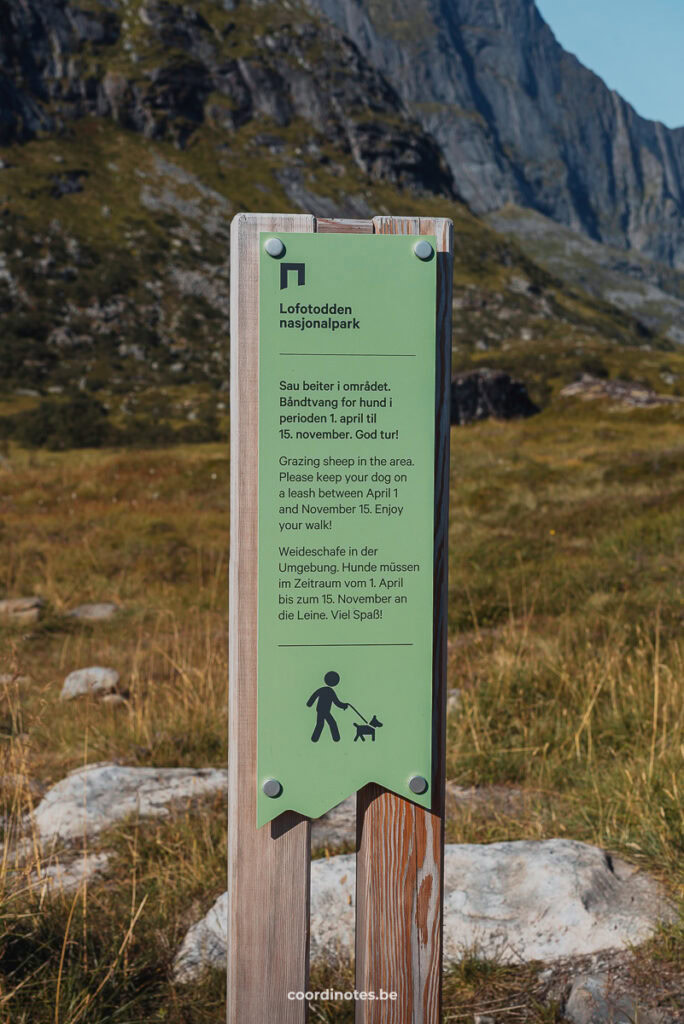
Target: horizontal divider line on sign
(357, 355)
(345, 645)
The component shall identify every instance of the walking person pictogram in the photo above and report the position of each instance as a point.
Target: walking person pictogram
(324, 698)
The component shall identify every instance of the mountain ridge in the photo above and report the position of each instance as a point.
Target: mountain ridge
(520, 120)
(130, 146)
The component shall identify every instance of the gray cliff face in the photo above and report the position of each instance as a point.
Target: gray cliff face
(522, 121)
(163, 70)
(131, 131)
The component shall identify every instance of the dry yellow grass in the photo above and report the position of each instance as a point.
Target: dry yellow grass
(565, 642)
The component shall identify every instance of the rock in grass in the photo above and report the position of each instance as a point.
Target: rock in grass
(59, 872)
(206, 944)
(13, 679)
(65, 875)
(336, 827)
(528, 900)
(114, 700)
(594, 1000)
(95, 680)
(93, 798)
(332, 920)
(479, 394)
(625, 392)
(543, 900)
(21, 610)
(454, 700)
(18, 783)
(101, 611)
(486, 801)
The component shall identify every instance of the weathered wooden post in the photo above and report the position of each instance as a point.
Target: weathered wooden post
(340, 377)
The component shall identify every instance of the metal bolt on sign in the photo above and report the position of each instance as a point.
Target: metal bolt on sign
(274, 247)
(423, 250)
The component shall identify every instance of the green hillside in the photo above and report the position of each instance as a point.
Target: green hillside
(114, 229)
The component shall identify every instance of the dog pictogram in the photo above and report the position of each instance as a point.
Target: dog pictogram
(367, 730)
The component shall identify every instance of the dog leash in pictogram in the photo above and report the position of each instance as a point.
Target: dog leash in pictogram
(357, 712)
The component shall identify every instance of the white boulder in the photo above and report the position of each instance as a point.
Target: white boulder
(527, 900)
(594, 1000)
(21, 610)
(67, 875)
(542, 900)
(95, 680)
(100, 611)
(13, 679)
(91, 799)
(336, 827)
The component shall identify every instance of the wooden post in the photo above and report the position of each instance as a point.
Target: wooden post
(269, 868)
(400, 845)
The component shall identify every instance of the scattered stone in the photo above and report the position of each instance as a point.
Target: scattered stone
(333, 905)
(594, 1000)
(622, 391)
(531, 900)
(205, 944)
(61, 874)
(481, 394)
(13, 679)
(514, 901)
(102, 611)
(454, 698)
(337, 827)
(622, 974)
(21, 610)
(114, 700)
(333, 883)
(67, 184)
(485, 800)
(94, 680)
(521, 285)
(93, 798)
(13, 782)
(65, 876)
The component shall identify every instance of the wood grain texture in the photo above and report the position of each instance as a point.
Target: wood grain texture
(400, 847)
(269, 868)
(327, 225)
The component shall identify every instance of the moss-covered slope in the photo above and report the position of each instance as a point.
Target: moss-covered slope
(134, 133)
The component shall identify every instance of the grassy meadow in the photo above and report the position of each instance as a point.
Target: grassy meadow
(565, 642)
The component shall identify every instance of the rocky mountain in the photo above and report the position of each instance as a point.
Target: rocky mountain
(522, 122)
(648, 290)
(132, 131)
(163, 70)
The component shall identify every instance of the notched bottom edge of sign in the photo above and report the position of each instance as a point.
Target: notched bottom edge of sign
(424, 802)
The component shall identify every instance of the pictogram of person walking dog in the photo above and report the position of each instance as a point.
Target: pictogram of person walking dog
(324, 698)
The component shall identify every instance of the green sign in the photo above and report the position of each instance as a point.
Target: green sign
(346, 517)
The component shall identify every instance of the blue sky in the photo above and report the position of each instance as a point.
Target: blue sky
(636, 46)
